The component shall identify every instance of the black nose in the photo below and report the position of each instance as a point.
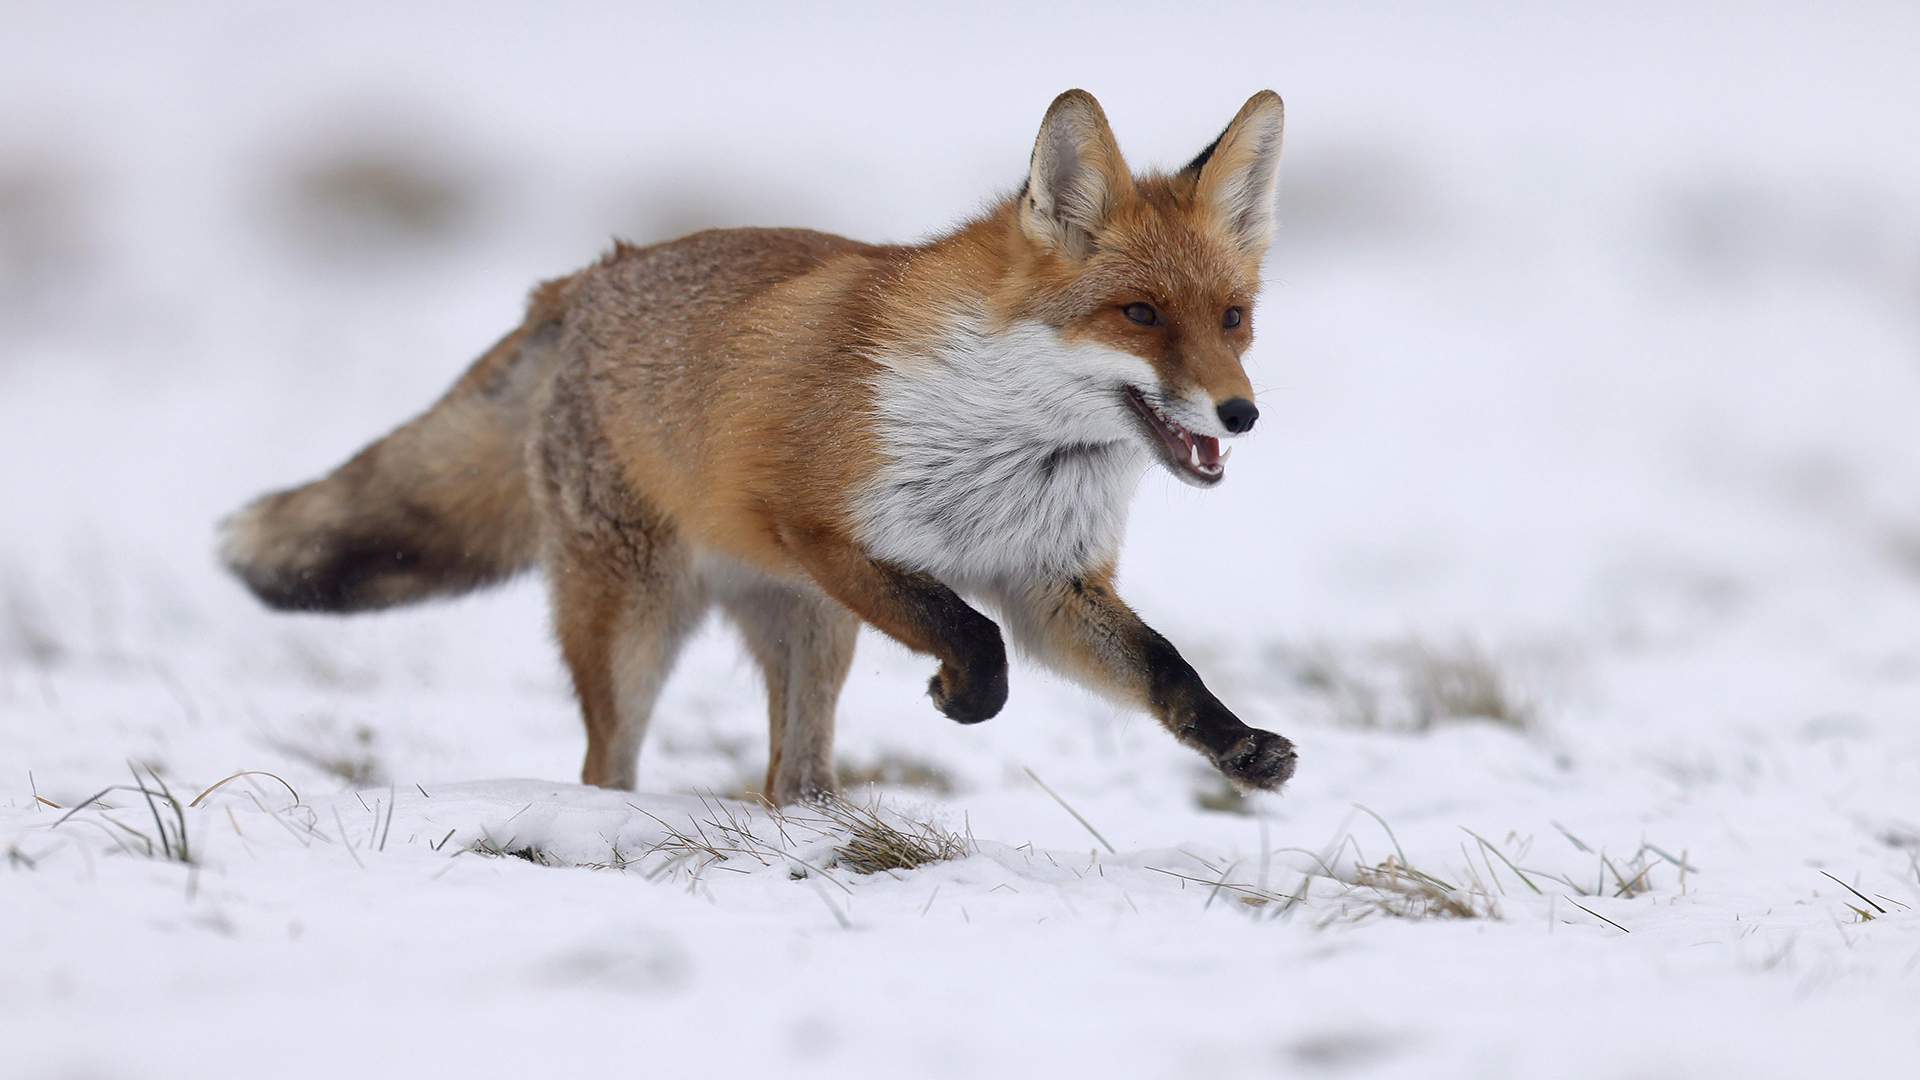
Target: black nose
(1238, 414)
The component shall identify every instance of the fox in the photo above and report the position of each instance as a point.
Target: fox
(811, 434)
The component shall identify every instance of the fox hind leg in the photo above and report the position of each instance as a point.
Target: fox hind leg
(621, 623)
(624, 589)
(804, 644)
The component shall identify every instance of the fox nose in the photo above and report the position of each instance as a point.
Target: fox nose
(1238, 414)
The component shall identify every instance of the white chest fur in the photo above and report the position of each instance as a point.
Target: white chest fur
(1009, 457)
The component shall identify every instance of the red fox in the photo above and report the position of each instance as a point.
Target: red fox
(812, 432)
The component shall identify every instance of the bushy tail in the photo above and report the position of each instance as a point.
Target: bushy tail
(438, 507)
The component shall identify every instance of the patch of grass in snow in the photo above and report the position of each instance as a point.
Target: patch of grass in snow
(874, 840)
(1461, 682)
(865, 839)
(168, 840)
(325, 666)
(1873, 909)
(896, 770)
(724, 835)
(349, 197)
(1410, 685)
(492, 849)
(47, 230)
(829, 834)
(351, 758)
(1903, 546)
(1343, 1050)
(1396, 886)
(1403, 891)
(28, 631)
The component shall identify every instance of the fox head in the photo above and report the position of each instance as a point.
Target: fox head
(1155, 275)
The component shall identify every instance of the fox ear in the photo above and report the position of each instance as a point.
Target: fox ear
(1076, 176)
(1237, 176)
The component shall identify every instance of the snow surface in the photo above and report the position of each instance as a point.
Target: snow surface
(1590, 358)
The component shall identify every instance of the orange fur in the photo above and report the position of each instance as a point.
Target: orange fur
(695, 422)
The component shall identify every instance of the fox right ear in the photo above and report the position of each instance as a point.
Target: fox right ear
(1076, 176)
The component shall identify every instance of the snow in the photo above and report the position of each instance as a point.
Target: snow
(1589, 357)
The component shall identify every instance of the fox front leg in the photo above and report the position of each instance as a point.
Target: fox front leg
(918, 612)
(1085, 630)
(1252, 759)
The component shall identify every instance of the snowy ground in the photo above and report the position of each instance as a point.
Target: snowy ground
(1584, 521)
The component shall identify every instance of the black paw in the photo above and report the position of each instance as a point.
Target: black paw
(969, 696)
(1257, 761)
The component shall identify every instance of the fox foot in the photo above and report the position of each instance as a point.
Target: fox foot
(969, 695)
(1257, 761)
(807, 793)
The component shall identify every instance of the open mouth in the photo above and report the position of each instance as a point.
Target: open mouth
(1192, 457)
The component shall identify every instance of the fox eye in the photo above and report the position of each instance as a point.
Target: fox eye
(1232, 318)
(1141, 313)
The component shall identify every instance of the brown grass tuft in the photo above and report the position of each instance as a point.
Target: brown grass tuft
(896, 770)
(1394, 888)
(1413, 685)
(874, 840)
(377, 191)
(1461, 682)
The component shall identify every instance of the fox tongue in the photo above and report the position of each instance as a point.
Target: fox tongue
(1208, 449)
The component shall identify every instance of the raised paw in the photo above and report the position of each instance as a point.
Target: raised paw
(1257, 761)
(969, 696)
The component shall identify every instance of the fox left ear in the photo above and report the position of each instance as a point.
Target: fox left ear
(1238, 176)
(1076, 176)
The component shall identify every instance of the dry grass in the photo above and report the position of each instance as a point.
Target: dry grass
(374, 192)
(1344, 884)
(1411, 685)
(1903, 547)
(1350, 696)
(1394, 888)
(1460, 682)
(47, 229)
(156, 825)
(874, 840)
(896, 770)
(1873, 909)
(350, 759)
(492, 849)
(168, 840)
(724, 833)
(834, 834)
(28, 630)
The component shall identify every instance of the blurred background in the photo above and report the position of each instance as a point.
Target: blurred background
(1585, 504)
(1586, 330)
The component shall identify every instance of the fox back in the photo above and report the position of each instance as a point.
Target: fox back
(812, 432)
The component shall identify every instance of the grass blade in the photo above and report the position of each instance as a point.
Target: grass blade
(1597, 915)
(1084, 823)
(198, 799)
(1856, 892)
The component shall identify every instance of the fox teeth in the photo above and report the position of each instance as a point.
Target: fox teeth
(1225, 453)
(1193, 454)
